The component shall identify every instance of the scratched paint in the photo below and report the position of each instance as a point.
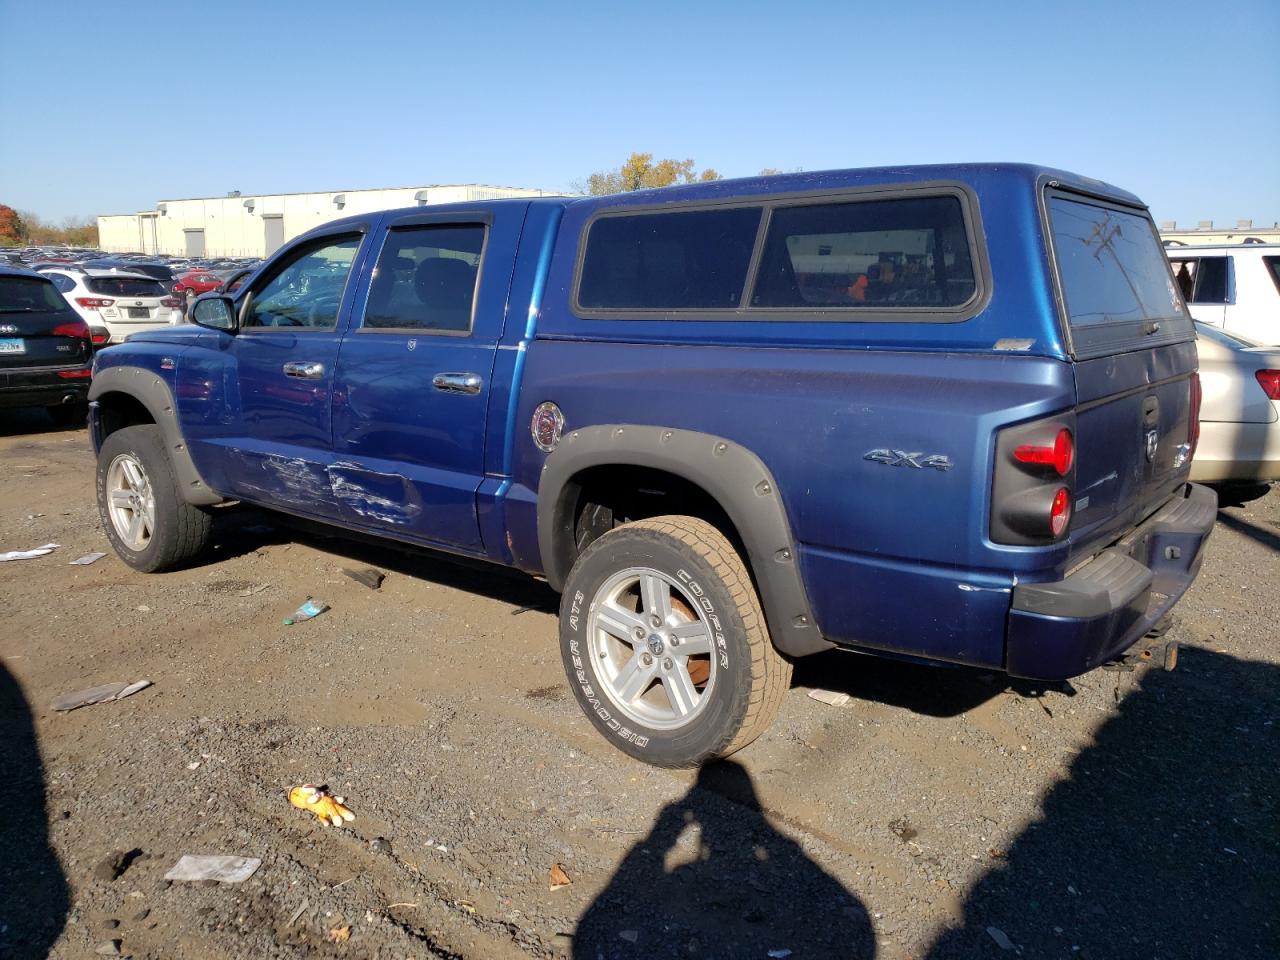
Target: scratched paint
(386, 497)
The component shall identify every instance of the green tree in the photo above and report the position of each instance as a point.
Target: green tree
(13, 231)
(641, 172)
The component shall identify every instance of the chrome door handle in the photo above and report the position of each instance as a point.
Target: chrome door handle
(466, 383)
(304, 369)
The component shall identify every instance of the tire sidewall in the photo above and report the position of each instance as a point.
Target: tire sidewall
(722, 716)
(144, 444)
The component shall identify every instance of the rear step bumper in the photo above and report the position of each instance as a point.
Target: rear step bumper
(1062, 629)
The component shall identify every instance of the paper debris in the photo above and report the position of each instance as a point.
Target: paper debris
(223, 869)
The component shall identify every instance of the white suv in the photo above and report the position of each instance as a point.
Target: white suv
(1232, 286)
(124, 303)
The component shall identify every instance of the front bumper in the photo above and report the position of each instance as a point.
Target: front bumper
(1064, 628)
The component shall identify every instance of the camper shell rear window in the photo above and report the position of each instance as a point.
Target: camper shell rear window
(1114, 281)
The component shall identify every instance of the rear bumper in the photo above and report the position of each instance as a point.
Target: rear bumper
(1064, 628)
(42, 387)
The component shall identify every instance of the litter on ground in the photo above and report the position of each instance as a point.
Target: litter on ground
(830, 697)
(326, 807)
(223, 869)
(87, 559)
(29, 554)
(99, 694)
(308, 611)
(367, 576)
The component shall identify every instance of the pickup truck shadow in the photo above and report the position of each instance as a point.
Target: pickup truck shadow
(713, 878)
(1162, 841)
(931, 690)
(1251, 530)
(33, 907)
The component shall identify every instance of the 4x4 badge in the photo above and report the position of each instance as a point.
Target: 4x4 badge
(901, 458)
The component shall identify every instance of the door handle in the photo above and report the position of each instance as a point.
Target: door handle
(465, 383)
(304, 369)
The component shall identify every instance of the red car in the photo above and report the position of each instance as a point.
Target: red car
(191, 285)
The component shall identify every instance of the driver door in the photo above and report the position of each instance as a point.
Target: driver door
(283, 361)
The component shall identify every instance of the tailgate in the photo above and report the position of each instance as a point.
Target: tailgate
(1134, 346)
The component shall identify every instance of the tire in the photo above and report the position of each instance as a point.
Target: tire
(134, 465)
(69, 414)
(650, 697)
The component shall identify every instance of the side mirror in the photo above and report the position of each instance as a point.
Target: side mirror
(216, 313)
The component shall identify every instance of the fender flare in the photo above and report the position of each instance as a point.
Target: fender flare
(154, 394)
(734, 476)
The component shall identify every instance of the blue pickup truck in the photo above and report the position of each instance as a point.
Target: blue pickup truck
(944, 413)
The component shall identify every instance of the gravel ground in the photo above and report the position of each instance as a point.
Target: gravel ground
(943, 813)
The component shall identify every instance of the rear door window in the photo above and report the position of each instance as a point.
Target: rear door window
(1115, 280)
(426, 279)
(1201, 279)
(29, 295)
(1273, 268)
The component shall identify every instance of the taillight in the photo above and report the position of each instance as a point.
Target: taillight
(1060, 512)
(75, 374)
(1060, 455)
(1035, 471)
(76, 328)
(94, 303)
(170, 302)
(1269, 380)
(99, 336)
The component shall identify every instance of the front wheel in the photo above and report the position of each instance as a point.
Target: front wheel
(665, 643)
(148, 523)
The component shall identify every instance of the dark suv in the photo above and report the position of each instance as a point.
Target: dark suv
(44, 348)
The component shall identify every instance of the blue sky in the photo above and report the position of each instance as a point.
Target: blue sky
(125, 104)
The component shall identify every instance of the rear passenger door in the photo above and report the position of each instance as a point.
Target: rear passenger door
(412, 385)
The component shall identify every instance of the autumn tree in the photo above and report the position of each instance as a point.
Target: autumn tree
(13, 231)
(74, 231)
(641, 171)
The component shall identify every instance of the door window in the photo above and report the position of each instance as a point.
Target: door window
(426, 279)
(1201, 279)
(305, 291)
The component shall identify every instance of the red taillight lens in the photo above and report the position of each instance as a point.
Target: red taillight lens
(75, 374)
(99, 337)
(94, 303)
(1060, 512)
(1060, 456)
(76, 328)
(170, 302)
(1270, 382)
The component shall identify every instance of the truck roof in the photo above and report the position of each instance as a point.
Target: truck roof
(784, 183)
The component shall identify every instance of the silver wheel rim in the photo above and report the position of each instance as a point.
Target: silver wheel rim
(651, 649)
(131, 504)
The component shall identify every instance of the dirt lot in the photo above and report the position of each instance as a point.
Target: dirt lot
(942, 814)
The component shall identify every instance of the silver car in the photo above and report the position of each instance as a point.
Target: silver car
(1239, 409)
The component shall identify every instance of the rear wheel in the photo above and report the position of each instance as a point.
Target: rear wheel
(148, 523)
(665, 644)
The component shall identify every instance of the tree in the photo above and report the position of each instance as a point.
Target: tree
(640, 172)
(75, 231)
(13, 231)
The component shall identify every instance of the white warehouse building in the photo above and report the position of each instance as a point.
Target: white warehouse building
(255, 225)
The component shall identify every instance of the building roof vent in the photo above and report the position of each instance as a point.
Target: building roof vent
(1204, 225)
(1168, 224)
(339, 200)
(249, 204)
(1244, 224)
(420, 198)
(163, 208)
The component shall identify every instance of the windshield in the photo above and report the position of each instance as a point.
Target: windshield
(1112, 267)
(125, 286)
(29, 295)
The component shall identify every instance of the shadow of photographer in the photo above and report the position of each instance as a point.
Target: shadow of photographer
(714, 879)
(1163, 840)
(34, 900)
